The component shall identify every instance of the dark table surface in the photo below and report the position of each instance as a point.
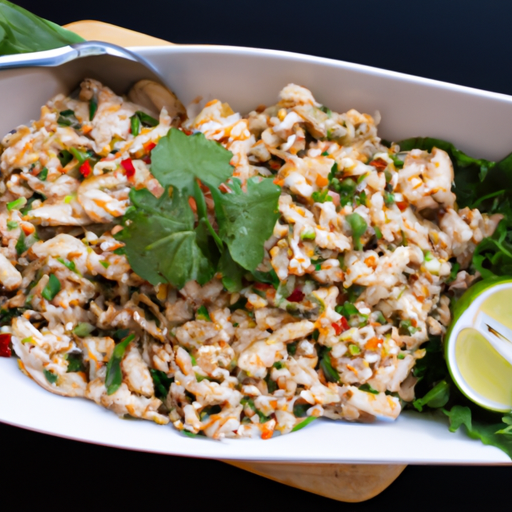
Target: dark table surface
(464, 42)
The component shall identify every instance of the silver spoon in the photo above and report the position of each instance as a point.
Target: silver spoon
(122, 70)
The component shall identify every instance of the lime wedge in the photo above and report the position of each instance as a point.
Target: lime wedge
(478, 345)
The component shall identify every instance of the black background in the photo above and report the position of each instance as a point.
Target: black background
(464, 42)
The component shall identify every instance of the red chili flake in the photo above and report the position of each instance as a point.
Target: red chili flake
(85, 169)
(128, 167)
(146, 159)
(5, 349)
(341, 326)
(275, 165)
(262, 286)
(296, 296)
(379, 164)
(402, 205)
(149, 146)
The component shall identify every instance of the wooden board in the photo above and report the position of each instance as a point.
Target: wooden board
(342, 482)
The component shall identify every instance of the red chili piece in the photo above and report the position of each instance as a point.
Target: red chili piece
(296, 296)
(379, 164)
(262, 286)
(402, 205)
(128, 167)
(149, 146)
(5, 349)
(341, 326)
(85, 169)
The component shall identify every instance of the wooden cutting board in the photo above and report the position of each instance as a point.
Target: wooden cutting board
(342, 482)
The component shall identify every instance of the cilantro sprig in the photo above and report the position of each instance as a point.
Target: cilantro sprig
(166, 241)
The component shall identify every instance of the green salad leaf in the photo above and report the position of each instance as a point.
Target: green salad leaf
(489, 432)
(179, 160)
(246, 219)
(161, 242)
(23, 32)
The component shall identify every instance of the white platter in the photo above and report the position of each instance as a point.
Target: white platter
(479, 122)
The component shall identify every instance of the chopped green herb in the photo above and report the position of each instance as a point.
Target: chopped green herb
(65, 157)
(121, 334)
(334, 170)
(304, 423)
(330, 373)
(359, 226)
(114, 376)
(146, 118)
(43, 174)
(104, 263)
(321, 196)
(135, 125)
(300, 410)
(50, 377)
(30, 339)
(75, 364)
(81, 156)
(21, 245)
(379, 317)
(202, 314)
(83, 329)
(398, 163)
(347, 309)
(93, 107)
(279, 365)
(368, 388)
(291, 348)
(406, 328)
(12, 224)
(52, 288)
(17, 203)
(161, 382)
(308, 234)
(354, 350)
(453, 273)
(68, 264)
(378, 232)
(400, 356)
(271, 384)
(389, 198)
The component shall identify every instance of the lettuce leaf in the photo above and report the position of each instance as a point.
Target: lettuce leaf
(23, 32)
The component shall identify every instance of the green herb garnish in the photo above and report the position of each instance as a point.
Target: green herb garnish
(114, 376)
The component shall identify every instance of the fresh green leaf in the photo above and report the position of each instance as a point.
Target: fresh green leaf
(52, 288)
(114, 376)
(160, 241)
(487, 431)
(179, 160)
(64, 157)
(23, 32)
(359, 226)
(247, 219)
(437, 397)
(347, 309)
(232, 273)
(68, 264)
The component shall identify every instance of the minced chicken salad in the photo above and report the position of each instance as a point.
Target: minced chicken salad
(236, 276)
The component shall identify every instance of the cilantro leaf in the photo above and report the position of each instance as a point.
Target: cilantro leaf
(160, 240)
(179, 159)
(246, 219)
(114, 376)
